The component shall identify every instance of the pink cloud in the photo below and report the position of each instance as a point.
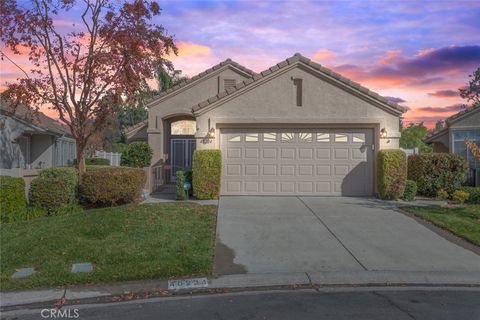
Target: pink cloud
(390, 56)
(324, 54)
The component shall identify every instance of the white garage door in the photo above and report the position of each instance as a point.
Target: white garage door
(297, 162)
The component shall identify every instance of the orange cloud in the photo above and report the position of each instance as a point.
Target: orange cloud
(324, 54)
(189, 49)
(390, 56)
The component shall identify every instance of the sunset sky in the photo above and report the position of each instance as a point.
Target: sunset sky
(417, 52)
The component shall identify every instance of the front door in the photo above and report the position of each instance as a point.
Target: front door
(182, 154)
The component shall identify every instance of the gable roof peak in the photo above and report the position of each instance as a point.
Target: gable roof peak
(183, 83)
(297, 57)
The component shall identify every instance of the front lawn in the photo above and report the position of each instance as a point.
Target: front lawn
(464, 222)
(124, 243)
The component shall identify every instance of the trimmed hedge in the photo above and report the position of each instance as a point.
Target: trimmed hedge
(410, 190)
(392, 173)
(206, 173)
(111, 186)
(474, 193)
(97, 162)
(137, 155)
(69, 174)
(49, 193)
(180, 180)
(436, 171)
(12, 197)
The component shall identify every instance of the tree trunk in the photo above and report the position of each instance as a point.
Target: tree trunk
(80, 161)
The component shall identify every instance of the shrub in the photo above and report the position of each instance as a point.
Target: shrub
(460, 196)
(181, 193)
(49, 193)
(437, 171)
(97, 162)
(442, 194)
(111, 186)
(26, 214)
(12, 196)
(474, 192)
(69, 174)
(206, 173)
(392, 173)
(410, 190)
(137, 155)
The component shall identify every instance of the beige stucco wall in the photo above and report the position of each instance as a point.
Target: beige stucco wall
(181, 102)
(272, 101)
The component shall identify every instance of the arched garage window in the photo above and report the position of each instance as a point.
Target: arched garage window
(183, 127)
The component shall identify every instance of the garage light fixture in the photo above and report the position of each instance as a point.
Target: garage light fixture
(383, 133)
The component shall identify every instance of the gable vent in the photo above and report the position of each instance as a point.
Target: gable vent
(229, 83)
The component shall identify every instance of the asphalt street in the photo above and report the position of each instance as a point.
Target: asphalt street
(371, 304)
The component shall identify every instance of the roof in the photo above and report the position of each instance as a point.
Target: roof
(35, 118)
(183, 83)
(292, 60)
(434, 135)
(136, 126)
(461, 114)
(457, 116)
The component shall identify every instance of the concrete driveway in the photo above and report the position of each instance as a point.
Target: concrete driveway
(311, 234)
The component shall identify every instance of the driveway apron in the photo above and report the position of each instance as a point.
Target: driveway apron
(311, 234)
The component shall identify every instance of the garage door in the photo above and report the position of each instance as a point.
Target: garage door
(297, 162)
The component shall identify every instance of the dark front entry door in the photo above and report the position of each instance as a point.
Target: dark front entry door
(182, 154)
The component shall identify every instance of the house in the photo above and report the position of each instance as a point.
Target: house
(462, 125)
(296, 128)
(31, 141)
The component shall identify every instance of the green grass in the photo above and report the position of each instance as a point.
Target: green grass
(124, 243)
(463, 222)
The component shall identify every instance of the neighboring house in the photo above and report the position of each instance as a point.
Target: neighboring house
(460, 126)
(31, 140)
(297, 128)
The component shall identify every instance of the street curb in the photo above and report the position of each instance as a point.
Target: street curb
(239, 282)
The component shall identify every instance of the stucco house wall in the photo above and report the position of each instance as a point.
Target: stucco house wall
(273, 101)
(180, 103)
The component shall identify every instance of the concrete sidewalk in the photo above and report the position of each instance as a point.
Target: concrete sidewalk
(239, 282)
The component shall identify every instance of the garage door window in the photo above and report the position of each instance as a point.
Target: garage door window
(270, 137)
(359, 137)
(251, 137)
(288, 137)
(305, 137)
(323, 137)
(341, 137)
(236, 138)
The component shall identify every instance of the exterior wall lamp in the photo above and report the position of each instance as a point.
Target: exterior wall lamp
(383, 133)
(211, 134)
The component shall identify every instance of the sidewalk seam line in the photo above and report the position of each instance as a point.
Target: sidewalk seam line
(331, 232)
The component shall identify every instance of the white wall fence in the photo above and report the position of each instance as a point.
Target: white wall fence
(112, 156)
(410, 152)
